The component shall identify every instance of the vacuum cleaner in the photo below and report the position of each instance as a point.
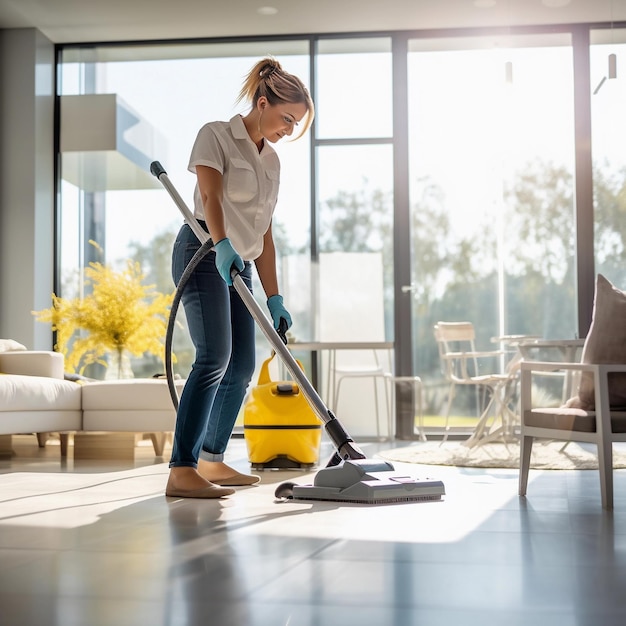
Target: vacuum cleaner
(348, 476)
(279, 426)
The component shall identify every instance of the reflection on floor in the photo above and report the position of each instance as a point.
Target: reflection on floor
(96, 543)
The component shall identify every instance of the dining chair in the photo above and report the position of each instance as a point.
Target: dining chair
(463, 365)
(599, 424)
(371, 364)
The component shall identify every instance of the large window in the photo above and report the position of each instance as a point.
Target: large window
(492, 189)
(487, 125)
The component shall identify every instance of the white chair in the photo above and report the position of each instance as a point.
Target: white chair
(601, 426)
(462, 364)
(363, 364)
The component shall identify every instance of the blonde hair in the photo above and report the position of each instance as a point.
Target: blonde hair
(267, 78)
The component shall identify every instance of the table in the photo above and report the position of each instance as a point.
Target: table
(503, 387)
(332, 347)
(331, 386)
(567, 347)
(314, 346)
(514, 340)
(525, 345)
(486, 429)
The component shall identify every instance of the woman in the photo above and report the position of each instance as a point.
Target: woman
(237, 174)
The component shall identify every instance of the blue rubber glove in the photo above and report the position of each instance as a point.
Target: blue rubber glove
(278, 312)
(225, 258)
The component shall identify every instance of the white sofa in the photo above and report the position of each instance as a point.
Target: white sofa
(135, 405)
(35, 398)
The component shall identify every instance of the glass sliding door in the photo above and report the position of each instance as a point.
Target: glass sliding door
(608, 80)
(491, 191)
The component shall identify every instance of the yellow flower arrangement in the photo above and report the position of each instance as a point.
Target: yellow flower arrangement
(119, 315)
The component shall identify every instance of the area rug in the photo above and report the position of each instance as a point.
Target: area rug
(547, 456)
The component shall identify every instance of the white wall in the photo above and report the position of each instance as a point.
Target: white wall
(26, 184)
(352, 308)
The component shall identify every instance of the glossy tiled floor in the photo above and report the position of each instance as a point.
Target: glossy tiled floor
(87, 544)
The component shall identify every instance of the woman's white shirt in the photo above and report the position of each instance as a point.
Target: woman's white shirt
(250, 182)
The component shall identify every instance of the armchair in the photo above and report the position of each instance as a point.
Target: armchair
(600, 425)
(597, 415)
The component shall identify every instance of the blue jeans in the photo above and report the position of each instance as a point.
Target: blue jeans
(222, 331)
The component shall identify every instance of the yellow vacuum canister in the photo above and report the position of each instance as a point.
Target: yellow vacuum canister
(280, 428)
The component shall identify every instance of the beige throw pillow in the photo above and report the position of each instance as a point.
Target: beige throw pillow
(605, 343)
(10, 345)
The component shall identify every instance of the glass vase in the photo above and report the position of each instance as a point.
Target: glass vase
(119, 366)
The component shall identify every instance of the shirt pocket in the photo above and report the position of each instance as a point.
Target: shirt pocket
(241, 183)
(273, 179)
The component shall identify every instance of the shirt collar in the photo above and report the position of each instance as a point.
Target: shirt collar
(238, 127)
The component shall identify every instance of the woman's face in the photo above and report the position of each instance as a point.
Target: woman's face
(279, 120)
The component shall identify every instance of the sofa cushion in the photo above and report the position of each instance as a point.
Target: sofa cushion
(136, 404)
(37, 393)
(135, 394)
(32, 363)
(605, 344)
(572, 419)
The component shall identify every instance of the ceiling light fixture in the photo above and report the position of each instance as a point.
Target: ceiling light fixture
(612, 66)
(508, 72)
(267, 10)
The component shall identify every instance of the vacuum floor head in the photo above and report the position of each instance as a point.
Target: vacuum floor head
(364, 481)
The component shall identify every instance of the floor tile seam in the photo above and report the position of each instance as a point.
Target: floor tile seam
(578, 529)
(517, 531)
(292, 566)
(473, 560)
(463, 606)
(522, 611)
(560, 569)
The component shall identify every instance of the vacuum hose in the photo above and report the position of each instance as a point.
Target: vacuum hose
(202, 251)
